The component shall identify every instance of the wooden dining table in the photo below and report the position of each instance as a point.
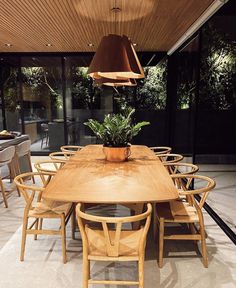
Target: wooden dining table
(88, 178)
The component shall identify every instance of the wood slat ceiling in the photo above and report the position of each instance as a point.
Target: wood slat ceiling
(69, 25)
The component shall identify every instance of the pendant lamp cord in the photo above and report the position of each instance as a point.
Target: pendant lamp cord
(115, 17)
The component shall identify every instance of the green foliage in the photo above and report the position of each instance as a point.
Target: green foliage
(9, 82)
(218, 69)
(84, 94)
(116, 130)
(44, 81)
(150, 92)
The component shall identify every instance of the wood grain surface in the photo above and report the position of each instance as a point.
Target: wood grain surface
(70, 25)
(87, 177)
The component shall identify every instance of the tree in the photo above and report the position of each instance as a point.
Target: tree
(150, 92)
(218, 70)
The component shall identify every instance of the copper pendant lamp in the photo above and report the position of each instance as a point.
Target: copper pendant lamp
(116, 59)
(115, 82)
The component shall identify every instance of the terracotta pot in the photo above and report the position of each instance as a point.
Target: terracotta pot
(116, 154)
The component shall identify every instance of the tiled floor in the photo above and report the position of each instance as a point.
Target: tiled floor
(183, 267)
(223, 198)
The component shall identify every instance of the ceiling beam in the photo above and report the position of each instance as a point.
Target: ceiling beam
(211, 10)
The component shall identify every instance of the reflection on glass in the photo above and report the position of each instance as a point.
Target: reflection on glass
(83, 101)
(10, 89)
(186, 75)
(150, 92)
(42, 102)
(218, 66)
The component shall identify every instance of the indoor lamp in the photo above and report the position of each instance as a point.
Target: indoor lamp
(115, 62)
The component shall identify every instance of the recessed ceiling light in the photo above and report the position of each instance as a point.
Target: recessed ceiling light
(90, 44)
(8, 45)
(115, 9)
(135, 44)
(49, 45)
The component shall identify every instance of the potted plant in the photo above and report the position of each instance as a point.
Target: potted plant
(116, 133)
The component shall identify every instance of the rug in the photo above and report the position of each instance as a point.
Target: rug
(43, 266)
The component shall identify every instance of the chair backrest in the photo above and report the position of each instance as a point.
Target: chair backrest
(44, 127)
(204, 186)
(23, 148)
(112, 247)
(71, 148)
(181, 168)
(6, 155)
(170, 157)
(50, 166)
(61, 155)
(28, 189)
(161, 149)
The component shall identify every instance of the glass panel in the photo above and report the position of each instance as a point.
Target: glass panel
(149, 99)
(183, 122)
(150, 93)
(217, 95)
(10, 91)
(186, 74)
(218, 66)
(42, 102)
(83, 101)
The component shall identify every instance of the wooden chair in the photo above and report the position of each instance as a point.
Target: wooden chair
(51, 166)
(6, 159)
(187, 212)
(40, 209)
(181, 168)
(71, 148)
(161, 150)
(170, 158)
(177, 168)
(61, 156)
(113, 245)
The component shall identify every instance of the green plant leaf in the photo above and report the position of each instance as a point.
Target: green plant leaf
(117, 129)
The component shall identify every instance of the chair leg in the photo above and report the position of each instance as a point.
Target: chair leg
(3, 193)
(40, 223)
(63, 238)
(203, 242)
(13, 173)
(154, 220)
(141, 272)
(43, 136)
(86, 270)
(11, 176)
(17, 165)
(161, 242)
(24, 228)
(36, 228)
(30, 165)
(47, 139)
(73, 223)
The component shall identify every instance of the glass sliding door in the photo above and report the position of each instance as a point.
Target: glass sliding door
(43, 102)
(183, 136)
(149, 100)
(217, 95)
(83, 101)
